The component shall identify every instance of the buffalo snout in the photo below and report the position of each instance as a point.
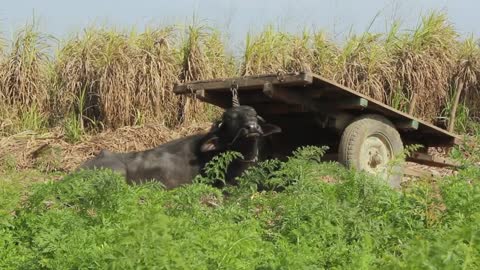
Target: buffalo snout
(253, 130)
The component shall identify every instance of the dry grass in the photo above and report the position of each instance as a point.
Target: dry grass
(118, 78)
(203, 57)
(104, 78)
(23, 71)
(273, 51)
(365, 66)
(466, 83)
(324, 55)
(389, 67)
(24, 79)
(50, 151)
(423, 62)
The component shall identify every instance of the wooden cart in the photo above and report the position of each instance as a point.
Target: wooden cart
(361, 132)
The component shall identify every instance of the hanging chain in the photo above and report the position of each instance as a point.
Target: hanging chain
(192, 92)
(234, 90)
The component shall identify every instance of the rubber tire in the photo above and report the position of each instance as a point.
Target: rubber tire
(358, 131)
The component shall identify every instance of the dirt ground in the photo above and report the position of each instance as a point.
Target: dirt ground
(51, 152)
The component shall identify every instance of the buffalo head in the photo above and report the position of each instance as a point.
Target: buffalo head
(241, 130)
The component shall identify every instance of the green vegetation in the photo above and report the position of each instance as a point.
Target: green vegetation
(298, 214)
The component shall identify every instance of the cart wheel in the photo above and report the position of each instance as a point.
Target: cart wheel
(370, 143)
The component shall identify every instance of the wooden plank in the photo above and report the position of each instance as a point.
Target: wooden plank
(348, 103)
(291, 96)
(340, 121)
(278, 109)
(224, 100)
(407, 125)
(253, 98)
(334, 107)
(319, 92)
(244, 83)
(426, 159)
(288, 96)
(215, 100)
(385, 109)
(328, 92)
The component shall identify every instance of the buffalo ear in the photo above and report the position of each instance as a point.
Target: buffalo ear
(211, 144)
(269, 129)
(261, 119)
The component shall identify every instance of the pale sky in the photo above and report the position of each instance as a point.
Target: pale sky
(234, 17)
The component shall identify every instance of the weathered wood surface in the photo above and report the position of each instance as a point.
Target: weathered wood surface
(308, 92)
(244, 83)
(426, 159)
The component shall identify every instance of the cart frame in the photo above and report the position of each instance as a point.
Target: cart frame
(280, 95)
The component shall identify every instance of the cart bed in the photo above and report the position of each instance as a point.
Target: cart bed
(307, 93)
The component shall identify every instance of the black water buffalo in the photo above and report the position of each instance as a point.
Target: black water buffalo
(177, 162)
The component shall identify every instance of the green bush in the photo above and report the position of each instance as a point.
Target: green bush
(298, 214)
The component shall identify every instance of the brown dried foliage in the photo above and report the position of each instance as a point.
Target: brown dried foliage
(423, 63)
(204, 57)
(466, 76)
(272, 52)
(113, 79)
(24, 71)
(50, 151)
(116, 78)
(365, 66)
